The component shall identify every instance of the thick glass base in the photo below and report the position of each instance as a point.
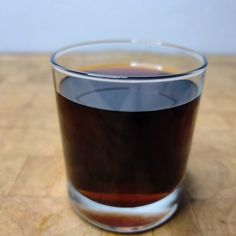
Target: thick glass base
(125, 219)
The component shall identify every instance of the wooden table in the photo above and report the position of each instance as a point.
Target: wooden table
(33, 198)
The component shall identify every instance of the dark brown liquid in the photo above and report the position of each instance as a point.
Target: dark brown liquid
(120, 157)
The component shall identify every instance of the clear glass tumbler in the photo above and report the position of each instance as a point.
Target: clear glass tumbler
(127, 111)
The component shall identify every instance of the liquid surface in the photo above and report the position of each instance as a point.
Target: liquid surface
(127, 70)
(126, 146)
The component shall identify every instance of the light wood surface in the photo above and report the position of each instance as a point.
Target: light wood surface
(33, 198)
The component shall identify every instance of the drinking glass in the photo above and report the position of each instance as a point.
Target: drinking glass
(127, 111)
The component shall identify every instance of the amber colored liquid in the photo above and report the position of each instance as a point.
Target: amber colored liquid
(121, 157)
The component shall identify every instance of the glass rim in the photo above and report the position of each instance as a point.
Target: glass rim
(119, 78)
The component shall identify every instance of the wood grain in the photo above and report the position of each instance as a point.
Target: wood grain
(32, 177)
